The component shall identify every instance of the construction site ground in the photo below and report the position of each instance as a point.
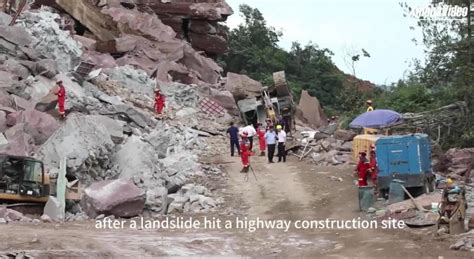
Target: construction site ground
(291, 191)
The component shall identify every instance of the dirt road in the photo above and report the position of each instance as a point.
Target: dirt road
(287, 192)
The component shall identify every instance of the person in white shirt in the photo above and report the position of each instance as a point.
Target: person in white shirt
(281, 135)
(251, 133)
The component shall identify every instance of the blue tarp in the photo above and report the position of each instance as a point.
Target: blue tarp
(377, 119)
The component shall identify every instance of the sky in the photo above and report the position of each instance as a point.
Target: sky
(345, 26)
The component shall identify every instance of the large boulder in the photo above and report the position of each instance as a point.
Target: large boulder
(38, 124)
(46, 67)
(311, 110)
(19, 142)
(226, 100)
(137, 160)
(120, 198)
(242, 86)
(50, 40)
(344, 135)
(79, 138)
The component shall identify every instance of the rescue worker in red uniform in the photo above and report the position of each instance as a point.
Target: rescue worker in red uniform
(373, 164)
(159, 102)
(363, 166)
(61, 93)
(245, 153)
(261, 139)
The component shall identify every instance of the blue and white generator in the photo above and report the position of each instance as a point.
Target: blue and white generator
(406, 158)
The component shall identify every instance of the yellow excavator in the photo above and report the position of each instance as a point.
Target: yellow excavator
(24, 180)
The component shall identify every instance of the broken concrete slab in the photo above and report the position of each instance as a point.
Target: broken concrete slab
(242, 86)
(312, 113)
(120, 198)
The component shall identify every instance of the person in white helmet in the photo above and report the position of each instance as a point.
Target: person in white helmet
(281, 135)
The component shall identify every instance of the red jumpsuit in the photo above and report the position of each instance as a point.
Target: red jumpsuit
(61, 93)
(244, 154)
(362, 167)
(159, 103)
(261, 140)
(373, 167)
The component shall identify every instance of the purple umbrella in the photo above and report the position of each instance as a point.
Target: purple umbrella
(377, 119)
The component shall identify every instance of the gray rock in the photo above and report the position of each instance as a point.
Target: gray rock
(129, 112)
(46, 67)
(3, 221)
(206, 202)
(114, 100)
(16, 68)
(52, 209)
(457, 245)
(50, 40)
(175, 207)
(185, 112)
(114, 127)
(46, 219)
(15, 35)
(157, 199)
(136, 158)
(77, 139)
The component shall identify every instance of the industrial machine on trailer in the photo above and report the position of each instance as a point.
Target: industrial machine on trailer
(406, 158)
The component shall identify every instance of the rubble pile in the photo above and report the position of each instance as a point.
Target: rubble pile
(465, 242)
(191, 198)
(326, 146)
(140, 39)
(50, 41)
(458, 163)
(9, 215)
(111, 140)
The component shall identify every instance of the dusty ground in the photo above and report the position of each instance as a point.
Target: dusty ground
(291, 191)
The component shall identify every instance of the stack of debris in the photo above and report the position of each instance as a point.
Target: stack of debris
(9, 215)
(465, 242)
(327, 146)
(458, 163)
(112, 142)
